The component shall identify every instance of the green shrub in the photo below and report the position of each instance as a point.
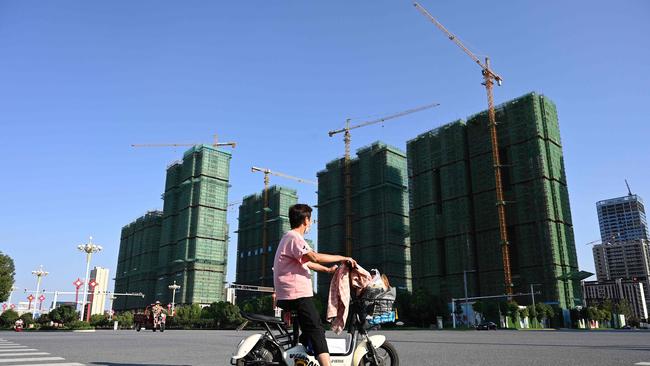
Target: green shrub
(125, 319)
(78, 324)
(99, 320)
(28, 318)
(64, 314)
(8, 318)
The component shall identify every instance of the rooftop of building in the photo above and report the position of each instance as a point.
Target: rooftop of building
(375, 147)
(618, 200)
(272, 189)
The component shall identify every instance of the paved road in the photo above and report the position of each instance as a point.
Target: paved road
(179, 348)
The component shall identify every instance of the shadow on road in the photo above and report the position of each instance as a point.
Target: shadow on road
(610, 347)
(132, 364)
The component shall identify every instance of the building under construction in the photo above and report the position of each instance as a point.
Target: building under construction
(193, 233)
(453, 217)
(250, 252)
(379, 201)
(137, 261)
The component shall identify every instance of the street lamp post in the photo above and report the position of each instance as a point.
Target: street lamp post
(112, 298)
(88, 248)
(465, 284)
(173, 287)
(39, 273)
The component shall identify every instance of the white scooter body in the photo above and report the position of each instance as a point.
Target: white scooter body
(297, 355)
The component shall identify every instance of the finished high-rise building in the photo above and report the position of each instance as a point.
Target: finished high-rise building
(454, 221)
(622, 219)
(186, 243)
(379, 214)
(254, 264)
(624, 252)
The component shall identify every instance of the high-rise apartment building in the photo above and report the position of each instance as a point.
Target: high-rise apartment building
(622, 219)
(250, 251)
(453, 219)
(192, 236)
(379, 202)
(137, 262)
(629, 260)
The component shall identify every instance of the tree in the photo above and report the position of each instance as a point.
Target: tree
(225, 314)
(422, 311)
(7, 273)
(8, 318)
(64, 314)
(623, 307)
(478, 306)
(27, 318)
(188, 313)
(124, 319)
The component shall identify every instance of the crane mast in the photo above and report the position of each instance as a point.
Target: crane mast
(489, 77)
(347, 139)
(265, 210)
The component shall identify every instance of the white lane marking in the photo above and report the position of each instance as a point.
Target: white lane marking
(50, 364)
(31, 359)
(12, 346)
(18, 350)
(643, 363)
(24, 354)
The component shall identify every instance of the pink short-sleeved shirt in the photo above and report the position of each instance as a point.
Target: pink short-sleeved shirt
(291, 276)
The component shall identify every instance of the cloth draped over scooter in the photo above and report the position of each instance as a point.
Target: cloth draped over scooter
(339, 296)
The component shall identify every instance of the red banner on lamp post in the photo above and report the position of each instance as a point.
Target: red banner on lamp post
(77, 284)
(30, 298)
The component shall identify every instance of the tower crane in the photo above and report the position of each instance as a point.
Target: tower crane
(216, 143)
(489, 77)
(265, 209)
(347, 138)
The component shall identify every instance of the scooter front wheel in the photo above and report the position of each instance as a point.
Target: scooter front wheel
(386, 355)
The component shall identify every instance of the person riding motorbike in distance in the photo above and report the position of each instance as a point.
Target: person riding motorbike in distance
(157, 311)
(294, 259)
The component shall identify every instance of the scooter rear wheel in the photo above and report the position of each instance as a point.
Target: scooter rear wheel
(386, 355)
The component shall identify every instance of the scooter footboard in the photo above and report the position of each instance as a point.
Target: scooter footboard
(362, 348)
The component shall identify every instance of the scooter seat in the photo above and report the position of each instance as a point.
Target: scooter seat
(262, 318)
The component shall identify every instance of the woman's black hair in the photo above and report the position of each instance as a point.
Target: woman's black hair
(298, 213)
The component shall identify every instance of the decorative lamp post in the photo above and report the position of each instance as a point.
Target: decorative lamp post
(39, 273)
(77, 284)
(88, 248)
(173, 287)
(92, 285)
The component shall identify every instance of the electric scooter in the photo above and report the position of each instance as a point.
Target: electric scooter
(280, 346)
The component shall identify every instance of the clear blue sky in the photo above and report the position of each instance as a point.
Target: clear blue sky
(80, 81)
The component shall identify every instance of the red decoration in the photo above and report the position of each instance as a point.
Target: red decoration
(4, 307)
(92, 283)
(12, 306)
(78, 283)
(30, 297)
(42, 298)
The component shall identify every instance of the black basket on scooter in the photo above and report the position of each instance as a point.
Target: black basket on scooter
(378, 305)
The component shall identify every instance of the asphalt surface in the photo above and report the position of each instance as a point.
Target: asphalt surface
(177, 347)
